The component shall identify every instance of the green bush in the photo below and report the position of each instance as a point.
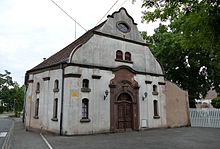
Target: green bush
(216, 102)
(1, 109)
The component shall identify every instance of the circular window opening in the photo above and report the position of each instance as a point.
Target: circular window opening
(123, 27)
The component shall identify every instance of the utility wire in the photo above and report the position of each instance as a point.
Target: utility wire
(108, 11)
(67, 14)
(122, 4)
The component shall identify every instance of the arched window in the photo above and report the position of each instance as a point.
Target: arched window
(154, 88)
(155, 91)
(36, 108)
(85, 83)
(56, 86)
(38, 88)
(85, 108)
(156, 109)
(119, 55)
(85, 86)
(127, 56)
(55, 108)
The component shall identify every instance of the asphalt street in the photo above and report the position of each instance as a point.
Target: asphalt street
(5, 125)
(175, 138)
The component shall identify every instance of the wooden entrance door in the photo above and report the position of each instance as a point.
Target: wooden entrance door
(124, 111)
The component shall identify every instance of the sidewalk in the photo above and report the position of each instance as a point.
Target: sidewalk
(22, 139)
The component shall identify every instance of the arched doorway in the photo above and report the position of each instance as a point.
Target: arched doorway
(125, 117)
(124, 112)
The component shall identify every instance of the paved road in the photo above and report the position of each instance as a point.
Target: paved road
(23, 139)
(5, 125)
(177, 138)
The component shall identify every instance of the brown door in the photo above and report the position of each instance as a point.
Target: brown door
(124, 112)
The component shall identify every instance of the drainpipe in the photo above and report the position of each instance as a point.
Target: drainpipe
(62, 90)
(25, 96)
(24, 103)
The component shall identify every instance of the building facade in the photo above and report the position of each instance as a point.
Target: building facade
(105, 81)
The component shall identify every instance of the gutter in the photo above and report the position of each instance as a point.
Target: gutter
(62, 94)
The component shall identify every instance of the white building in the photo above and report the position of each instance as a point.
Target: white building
(105, 81)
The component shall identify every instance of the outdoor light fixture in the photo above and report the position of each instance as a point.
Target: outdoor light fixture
(106, 94)
(144, 96)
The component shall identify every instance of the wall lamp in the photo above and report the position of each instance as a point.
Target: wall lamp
(106, 94)
(144, 96)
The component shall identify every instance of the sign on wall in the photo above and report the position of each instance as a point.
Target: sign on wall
(74, 93)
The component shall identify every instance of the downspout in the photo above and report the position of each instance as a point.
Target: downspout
(25, 93)
(62, 90)
(24, 103)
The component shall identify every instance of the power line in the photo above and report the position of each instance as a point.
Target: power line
(108, 11)
(67, 14)
(122, 4)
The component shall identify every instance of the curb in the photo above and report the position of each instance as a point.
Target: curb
(8, 139)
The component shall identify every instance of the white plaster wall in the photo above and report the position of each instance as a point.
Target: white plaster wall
(110, 27)
(99, 109)
(46, 100)
(146, 108)
(29, 98)
(99, 48)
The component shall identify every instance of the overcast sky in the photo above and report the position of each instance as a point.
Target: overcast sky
(31, 30)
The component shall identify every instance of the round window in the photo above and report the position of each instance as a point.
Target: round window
(123, 27)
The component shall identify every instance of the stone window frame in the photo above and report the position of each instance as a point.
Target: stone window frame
(121, 58)
(38, 87)
(36, 108)
(155, 90)
(56, 86)
(123, 27)
(127, 56)
(85, 86)
(55, 110)
(85, 110)
(156, 110)
(119, 55)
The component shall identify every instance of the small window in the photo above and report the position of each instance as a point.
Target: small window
(36, 108)
(85, 108)
(85, 83)
(56, 86)
(85, 86)
(38, 88)
(156, 115)
(155, 91)
(128, 56)
(55, 109)
(119, 55)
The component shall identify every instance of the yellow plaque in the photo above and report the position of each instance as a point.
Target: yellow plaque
(74, 94)
(29, 97)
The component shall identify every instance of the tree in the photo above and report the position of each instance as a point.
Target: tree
(5, 80)
(216, 102)
(11, 94)
(188, 47)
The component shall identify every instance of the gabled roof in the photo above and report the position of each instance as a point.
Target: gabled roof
(63, 55)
